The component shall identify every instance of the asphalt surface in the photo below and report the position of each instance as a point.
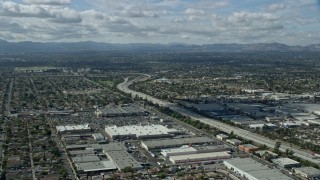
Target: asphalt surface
(124, 86)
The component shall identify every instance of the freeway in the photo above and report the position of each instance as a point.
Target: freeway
(124, 87)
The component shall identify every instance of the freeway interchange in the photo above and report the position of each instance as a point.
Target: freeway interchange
(124, 87)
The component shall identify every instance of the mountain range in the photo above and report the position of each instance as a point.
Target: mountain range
(33, 47)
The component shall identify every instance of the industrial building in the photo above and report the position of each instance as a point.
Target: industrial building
(123, 110)
(98, 136)
(170, 143)
(140, 132)
(286, 162)
(253, 170)
(307, 172)
(95, 167)
(123, 159)
(82, 128)
(199, 158)
(86, 158)
(249, 148)
(178, 151)
(82, 152)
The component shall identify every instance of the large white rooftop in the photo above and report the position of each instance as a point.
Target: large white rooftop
(139, 131)
(183, 149)
(73, 127)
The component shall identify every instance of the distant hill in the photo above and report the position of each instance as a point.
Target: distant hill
(28, 46)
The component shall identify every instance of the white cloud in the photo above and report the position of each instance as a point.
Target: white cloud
(48, 2)
(192, 11)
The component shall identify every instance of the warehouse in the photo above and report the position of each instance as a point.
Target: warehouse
(178, 151)
(95, 167)
(87, 158)
(253, 170)
(286, 162)
(82, 152)
(140, 132)
(123, 159)
(199, 158)
(82, 128)
(170, 143)
(98, 136)
(307, 172)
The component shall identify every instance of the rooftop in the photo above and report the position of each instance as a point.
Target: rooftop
(95, 166)
(154, 144)
(123, 159)
(310, 171)
(285, 161)
(73, 127)
(256, 169)
(88, 158)
(139, 131)
(199, 156)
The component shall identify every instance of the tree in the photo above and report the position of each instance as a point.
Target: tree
(277, 147)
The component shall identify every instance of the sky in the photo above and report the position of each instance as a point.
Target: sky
(292, 22)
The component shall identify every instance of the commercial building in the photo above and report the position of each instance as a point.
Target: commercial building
(170, 143)
(253, 170)
(140, 132)
(178, 151)
(286, 162)
(98, 136)
(123, 159)
(95, 167)
(82, 152)
(123, 110)
(82, 128)
(222, 137)
(235, 142)
(307, 172)
(249, 148)
(199, 158)
(86, 158)
(212, 148)
(118, 154)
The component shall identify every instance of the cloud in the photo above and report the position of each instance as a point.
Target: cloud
(192, 11)
(53, 13)
(276, 7)
(139, 13)
(48, 2)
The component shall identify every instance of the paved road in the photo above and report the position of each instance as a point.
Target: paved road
(8, 101)
(31, 155)
(124, 86)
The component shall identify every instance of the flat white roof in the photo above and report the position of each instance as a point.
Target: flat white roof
(285, 161)
(179, 149)
(73, 127)
(138, 131)
(199, 156)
